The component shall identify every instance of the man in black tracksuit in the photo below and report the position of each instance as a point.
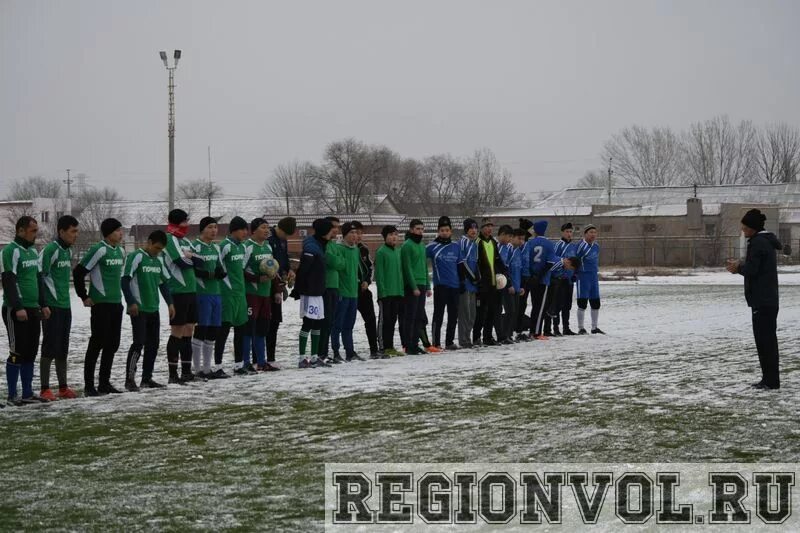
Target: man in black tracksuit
(760, 271)
(280, 251)
(489, 265)
(366, 306)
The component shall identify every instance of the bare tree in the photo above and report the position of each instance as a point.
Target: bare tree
(777, 153)
(440, 178)
(349, 171)
(718, 153)
(594, 179)
(198, 189)
(92, 207)
(35, 187)
(645, 158)
(486, 183)
(296, 182)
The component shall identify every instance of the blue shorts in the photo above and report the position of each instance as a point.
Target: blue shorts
(209, 310)
(588, 286)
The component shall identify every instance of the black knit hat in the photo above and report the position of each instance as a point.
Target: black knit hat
(470, 223)
(356, 225)
(322, 226)
(205, 221)
(177, 216)
(347, 227)
(236, 224)
(525, 224)
(445, 221)
(288, 225)
(754, 219)
(566, 226)
(256, 222)
(386, 230)
(109, 226)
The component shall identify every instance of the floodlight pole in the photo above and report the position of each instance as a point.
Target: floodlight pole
(171, 122)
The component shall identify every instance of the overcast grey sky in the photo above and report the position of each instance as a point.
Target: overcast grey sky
(543, 84)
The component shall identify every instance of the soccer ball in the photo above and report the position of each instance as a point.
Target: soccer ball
(501, 281)
(268, 266)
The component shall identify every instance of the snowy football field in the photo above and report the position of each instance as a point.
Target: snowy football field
(669, 383)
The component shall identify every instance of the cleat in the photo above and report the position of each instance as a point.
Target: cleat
(31, 400)
(90, 391)
(373, 354)
(47, 395)
(202, 376)
(175, 380)
(491, 342)
(466, 346)
(391, 352)
(17, 401)
(556, 331)
(416, 350)
(598, 331)
(108, 388)
(337, 359)
(130, 386)
(320, 363)
(541, 338)
(452, 347)
(219, 374)
(505, 342)
(305, 363)
(760, 386)
(150, 384)
(269, 367)
(354, 357)
(568, 332)
(187, 378)
(582, 332)
(251, 370)
(434, 349)
(65, 393)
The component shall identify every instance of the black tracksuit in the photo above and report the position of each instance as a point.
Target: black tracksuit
(280, 251)
(488, 301)
(760, 271)
(366, 307)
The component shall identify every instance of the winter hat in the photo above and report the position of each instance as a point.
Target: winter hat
(540, 227)
(177, 216)
(566, 226)
(469, 224)
(525, 224)
(205, 221)
(444, 221)
(255, 223)
(588, 227)
(236, 224)
(357, 225)
(347, 227)
(109, 226)
(288, 225)
(754, 219)
(387, 230)
(486, 221)
(322, 226)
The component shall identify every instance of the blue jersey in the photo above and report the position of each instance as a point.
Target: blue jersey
(505, 252)
(537, 255)
(515, 268)
(558, 270)
(566, 249)
(444, 258)
(468, 257)
(589, 255)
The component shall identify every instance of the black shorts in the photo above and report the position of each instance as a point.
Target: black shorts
(23, 337)
(56, 330)
(185, 309)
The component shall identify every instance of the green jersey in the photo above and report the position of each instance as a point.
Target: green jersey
(348, 278)
(414, 264)
(146, 273)
(334, 264)
(209, 253)
(55, 264)
(388, 272)
(231, 255)
(253, 254)
(22, 261)
(104, 263)
(181, 268)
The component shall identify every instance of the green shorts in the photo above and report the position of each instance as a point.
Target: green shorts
(234, 309)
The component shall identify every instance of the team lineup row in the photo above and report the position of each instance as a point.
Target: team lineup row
(481, 282)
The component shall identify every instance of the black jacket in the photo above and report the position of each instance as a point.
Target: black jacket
(364, 265)
(310, 280)
(760, 271)
(487, 280)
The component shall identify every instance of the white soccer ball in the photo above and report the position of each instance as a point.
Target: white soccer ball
(268, 266)
(501, 281)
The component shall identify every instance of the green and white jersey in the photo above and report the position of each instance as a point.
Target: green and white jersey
(146, 273)
(183, 280)
(231, 254)
(24, 263)
(55, 264)
(104, 263)
(209, 253)
(253, 254)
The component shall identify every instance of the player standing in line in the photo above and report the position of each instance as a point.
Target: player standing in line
(508, 296)
(334, 265)
(310, 289)
(24, 307)
(181, 261)
(366, 306)
(417, 286)
(515, 281)
(389, 280)
(234, 301)
(280, 251)
(144, 276)
(258, 290)
(537, 258)
(588, 279)
(469, 275)
(489, 265)
(525, 225)
(209, 300)
(347, 308)
(103, 262)
(562, 284)
(55, 264)
(444, 255)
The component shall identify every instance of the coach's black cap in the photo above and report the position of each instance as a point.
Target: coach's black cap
(109, 226)
(205, 221)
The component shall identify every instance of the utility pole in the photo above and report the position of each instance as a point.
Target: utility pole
(610, 172)
(68, 181)
(210, 188)
(171, 121)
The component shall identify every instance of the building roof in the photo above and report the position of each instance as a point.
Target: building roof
(670, 210)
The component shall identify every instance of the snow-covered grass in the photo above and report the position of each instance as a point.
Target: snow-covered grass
(669, 383)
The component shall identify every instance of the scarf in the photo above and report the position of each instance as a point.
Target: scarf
(177, 230)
